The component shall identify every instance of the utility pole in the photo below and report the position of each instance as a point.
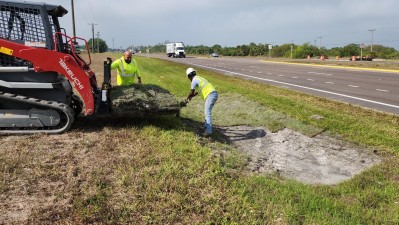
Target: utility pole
(73, 19)
(92, 40)
(372, 37)
(320, 42)
(292, 47)
(291, 50)
(98, 46)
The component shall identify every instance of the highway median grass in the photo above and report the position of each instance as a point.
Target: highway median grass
(158, 171)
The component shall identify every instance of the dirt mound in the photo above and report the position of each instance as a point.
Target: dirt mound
(318, 160)
(139, 100)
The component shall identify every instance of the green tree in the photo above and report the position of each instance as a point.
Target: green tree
(158, 48)
(302, 51)
(350, 50)
(216, 48)
(228, 51)
(256, 49)
(99, 45)
(282, 51)
(242, 50)
(383, 52)
(334, 52)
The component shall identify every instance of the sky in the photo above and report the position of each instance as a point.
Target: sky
(324, 23)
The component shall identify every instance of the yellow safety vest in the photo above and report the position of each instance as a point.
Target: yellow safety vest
(126, 72)
(205, 88)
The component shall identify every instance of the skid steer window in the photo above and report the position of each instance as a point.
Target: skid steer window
(20, 24)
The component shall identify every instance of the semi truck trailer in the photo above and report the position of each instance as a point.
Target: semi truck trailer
(175, 50)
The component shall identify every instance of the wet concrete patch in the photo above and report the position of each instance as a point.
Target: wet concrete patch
(311, 160)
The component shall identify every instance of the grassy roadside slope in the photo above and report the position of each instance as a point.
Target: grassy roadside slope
(361, 126)
(364, 127)
(157, 171)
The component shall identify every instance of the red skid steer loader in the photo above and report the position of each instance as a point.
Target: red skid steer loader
(38, 64)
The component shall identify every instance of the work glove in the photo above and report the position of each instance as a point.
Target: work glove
(183, 103)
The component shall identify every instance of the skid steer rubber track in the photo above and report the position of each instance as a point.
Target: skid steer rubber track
(66, 115)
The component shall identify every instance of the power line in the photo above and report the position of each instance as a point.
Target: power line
(91, 9)
(390, 28)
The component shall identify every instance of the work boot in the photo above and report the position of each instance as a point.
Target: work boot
(206, 134)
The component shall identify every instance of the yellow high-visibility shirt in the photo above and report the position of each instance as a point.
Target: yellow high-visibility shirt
(126, 72)
(204, 88)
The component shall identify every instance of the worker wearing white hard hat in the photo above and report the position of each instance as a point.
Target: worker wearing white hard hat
(200, 85)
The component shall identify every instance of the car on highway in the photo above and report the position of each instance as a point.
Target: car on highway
(214, 55)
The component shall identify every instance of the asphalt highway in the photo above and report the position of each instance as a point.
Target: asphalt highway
(375, 89)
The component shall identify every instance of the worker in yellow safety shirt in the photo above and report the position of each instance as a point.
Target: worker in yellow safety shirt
(208, 92)
(127, 69)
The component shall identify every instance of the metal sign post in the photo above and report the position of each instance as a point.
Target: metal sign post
(361, 51)
(270, 49)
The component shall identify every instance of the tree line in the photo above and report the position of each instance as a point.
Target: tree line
(276, 51)
(287, 50)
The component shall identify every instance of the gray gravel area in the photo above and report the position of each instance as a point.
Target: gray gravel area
(311, 160)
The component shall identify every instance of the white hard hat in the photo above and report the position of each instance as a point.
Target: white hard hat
(190, 72)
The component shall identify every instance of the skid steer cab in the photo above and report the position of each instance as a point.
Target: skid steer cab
(40, 67)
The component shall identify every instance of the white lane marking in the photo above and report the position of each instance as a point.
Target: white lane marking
(280, 75)
(381, 90)
(294, 77)
(310, 79)
(269, 73)
(327, 74)
(259, 72)
(329, 82)
(308, 88)
(354, 86)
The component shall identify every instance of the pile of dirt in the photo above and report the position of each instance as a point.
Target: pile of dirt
(141, 100)
(311, 160)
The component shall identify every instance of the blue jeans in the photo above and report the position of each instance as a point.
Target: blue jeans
(209, 103)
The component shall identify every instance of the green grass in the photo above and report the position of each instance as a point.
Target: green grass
(176, 178)
(158, 171)
(288, 108)
(191, 185)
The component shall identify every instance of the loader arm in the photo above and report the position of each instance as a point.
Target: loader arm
(45, 60)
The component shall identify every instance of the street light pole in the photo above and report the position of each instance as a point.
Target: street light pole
(372, 37)
(320, 42)
(291, 48)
